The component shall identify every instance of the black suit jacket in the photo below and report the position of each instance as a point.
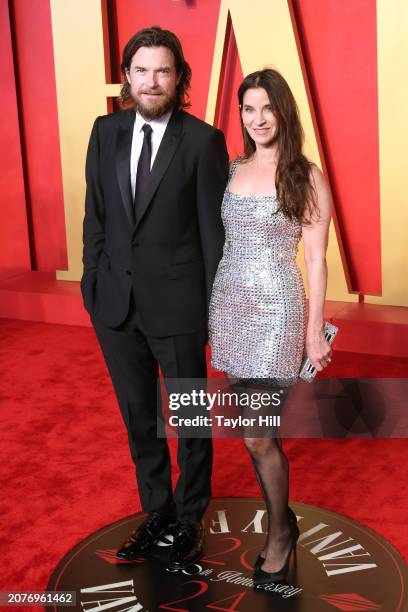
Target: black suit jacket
(170, 253)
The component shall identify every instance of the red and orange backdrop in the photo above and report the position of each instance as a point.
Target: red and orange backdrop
(345, 60)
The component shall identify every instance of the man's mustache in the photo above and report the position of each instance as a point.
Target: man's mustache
(154, 92)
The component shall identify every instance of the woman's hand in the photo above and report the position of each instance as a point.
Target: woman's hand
(318, 349)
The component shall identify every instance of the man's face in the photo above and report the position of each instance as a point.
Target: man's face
(153, 80)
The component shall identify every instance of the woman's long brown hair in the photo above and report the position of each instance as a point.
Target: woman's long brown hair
(295, 189)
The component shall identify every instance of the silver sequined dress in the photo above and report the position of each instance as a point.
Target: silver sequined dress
(257, 308)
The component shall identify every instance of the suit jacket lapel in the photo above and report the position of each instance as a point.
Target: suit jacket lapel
(123, 150)
(167, 149)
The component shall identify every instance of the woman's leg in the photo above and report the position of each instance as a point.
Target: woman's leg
(265, 496)
(271, 466)
(272, 471)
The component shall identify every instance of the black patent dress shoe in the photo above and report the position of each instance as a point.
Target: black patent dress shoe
(143, 538)
(294, 528)
(188, 545)
(262, 578)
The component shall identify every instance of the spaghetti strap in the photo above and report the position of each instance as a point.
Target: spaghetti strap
(233, 168)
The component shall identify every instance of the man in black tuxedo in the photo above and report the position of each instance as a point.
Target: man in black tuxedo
(153, 237)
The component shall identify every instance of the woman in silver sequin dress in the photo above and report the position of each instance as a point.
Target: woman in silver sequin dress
(259, 328)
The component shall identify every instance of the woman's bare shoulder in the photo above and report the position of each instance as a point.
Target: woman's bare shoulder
(322, 190)
(317, 176)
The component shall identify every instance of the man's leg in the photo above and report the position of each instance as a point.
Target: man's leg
(134, 372)
(183, 356)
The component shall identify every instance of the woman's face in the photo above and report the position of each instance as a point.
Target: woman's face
(257, 116)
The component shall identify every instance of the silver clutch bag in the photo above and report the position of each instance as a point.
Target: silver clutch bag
(308, 371)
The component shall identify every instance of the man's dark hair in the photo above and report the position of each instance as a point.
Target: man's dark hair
(156, 37)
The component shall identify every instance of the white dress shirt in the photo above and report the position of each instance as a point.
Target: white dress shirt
(159, 127)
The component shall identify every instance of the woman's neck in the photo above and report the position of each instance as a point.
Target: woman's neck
(266, 156)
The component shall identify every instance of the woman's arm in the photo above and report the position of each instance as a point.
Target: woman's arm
(315, 238)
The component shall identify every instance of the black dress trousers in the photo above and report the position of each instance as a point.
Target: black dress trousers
(133, 358)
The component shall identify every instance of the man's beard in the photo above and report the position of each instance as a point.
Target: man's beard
(155, 108)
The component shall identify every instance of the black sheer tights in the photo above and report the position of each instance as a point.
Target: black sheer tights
(272, 471)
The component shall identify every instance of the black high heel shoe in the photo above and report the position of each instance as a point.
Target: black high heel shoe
(261, 578)
(294, 528)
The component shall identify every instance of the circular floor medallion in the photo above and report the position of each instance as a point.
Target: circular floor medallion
(340, 565)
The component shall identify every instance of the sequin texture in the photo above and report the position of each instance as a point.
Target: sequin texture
(257, 308)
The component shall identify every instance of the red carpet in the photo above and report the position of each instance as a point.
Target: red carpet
(66, 469)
